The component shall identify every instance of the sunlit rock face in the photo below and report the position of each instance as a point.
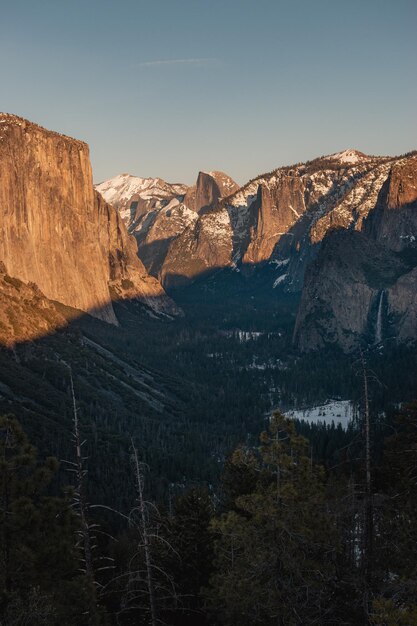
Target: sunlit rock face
(363, 285)
(180, 230)
(394, 221)
(57, 232)
(210, 188)
(347, 219)
(279, 217)
(202, 247)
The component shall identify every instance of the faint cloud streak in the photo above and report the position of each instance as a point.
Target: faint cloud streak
(161, 62)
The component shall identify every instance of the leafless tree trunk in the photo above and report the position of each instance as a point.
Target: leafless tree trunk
(368, 509)
(145, 536)
(81, 508)
(6, 513)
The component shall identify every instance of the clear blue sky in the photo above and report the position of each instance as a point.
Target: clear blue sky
(168, 87)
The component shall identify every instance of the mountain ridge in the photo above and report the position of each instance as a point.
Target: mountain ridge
(259, 215)
(281, 218)
(59, 233)
(374, 275)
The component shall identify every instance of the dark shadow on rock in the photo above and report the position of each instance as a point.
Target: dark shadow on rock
(357, 292)
(153, 254)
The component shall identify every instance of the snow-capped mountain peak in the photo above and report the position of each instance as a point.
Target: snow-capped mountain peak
(120, 189)
(349, 156)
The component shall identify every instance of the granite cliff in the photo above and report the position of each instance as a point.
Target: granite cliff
(278, 218)
(178, 229)
(362, 288)
(289, 220)
(57, 232)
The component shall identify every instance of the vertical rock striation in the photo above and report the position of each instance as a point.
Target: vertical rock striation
(57, 232)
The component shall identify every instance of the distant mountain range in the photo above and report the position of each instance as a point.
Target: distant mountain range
(362, 208)
(340, 231)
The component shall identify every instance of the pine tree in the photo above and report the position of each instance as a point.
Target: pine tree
(396, 539)
(189, 557)
(269, 550)
(38, 566)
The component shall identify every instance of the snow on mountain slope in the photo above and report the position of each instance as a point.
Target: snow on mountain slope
(349, 156)
(158, 213)
(280, 215)
(354, 206)
(120, 190)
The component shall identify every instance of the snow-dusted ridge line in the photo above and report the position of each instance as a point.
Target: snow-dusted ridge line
(123, 187)
(280, 216)
(348, 157)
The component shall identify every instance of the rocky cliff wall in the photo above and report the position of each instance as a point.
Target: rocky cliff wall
(394, 220)
(363, 285)
(55, 230)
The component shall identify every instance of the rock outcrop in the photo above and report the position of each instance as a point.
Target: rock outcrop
(276, 209)
(286, 218)
(163, 217)
(279, 217)
(363, 285)
(204, 246)
(210, 188)
(394, 220)
(57, 232)
(25, 313)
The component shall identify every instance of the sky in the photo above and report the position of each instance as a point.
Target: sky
(170, 87)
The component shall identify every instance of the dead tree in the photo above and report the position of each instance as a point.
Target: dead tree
(368, 504)
(150, 589)
(145, 535)
(85, 533)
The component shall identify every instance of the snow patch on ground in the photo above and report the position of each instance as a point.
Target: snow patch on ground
(243, 335)
(280, 262)
(337, 411)
(279, 280)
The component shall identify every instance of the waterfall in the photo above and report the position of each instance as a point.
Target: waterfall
(378, 326)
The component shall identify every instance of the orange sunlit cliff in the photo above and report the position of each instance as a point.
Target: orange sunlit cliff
(56, 231)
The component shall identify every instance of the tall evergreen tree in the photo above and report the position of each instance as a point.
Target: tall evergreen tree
(396, 537)
(189, 557)
(39, 577)
(275, 552)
